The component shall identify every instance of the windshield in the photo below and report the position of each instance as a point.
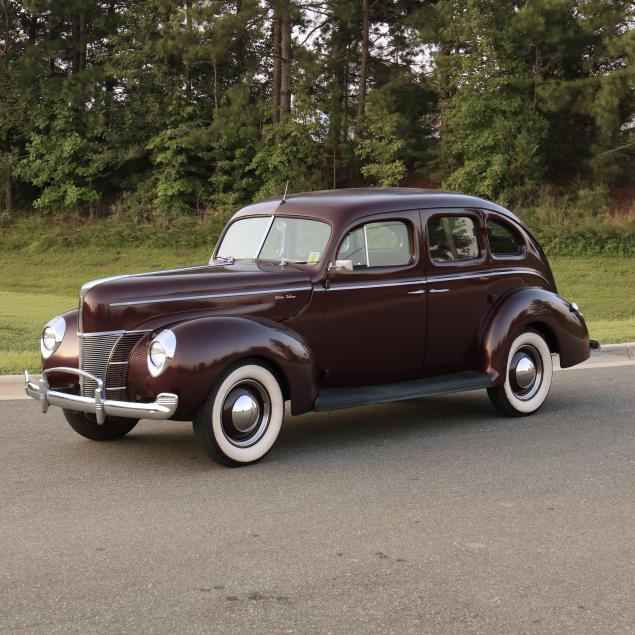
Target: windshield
(278, 238)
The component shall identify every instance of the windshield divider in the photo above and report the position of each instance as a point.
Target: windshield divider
(264, 238)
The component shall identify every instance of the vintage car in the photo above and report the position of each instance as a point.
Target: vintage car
(326, 300)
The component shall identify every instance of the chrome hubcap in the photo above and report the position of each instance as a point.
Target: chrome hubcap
(245, 413)
(525, 372)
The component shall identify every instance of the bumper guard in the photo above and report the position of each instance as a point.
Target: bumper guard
(163, 408)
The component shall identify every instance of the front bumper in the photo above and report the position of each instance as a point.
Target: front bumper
(163, 408)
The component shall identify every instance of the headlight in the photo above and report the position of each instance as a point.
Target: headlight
(52, 336)
(161, 352)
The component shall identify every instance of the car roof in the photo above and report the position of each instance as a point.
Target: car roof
(343, 206)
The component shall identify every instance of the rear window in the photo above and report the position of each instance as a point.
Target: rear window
(453, 238)
(504, 240)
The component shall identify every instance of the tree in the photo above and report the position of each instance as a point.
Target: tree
(380, 149)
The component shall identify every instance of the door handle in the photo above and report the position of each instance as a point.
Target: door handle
(417, 292)
(438, 290)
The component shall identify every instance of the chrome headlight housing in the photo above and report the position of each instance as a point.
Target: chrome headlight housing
(161, 352)
(52, 336)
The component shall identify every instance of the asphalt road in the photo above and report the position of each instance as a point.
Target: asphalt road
(431, 516)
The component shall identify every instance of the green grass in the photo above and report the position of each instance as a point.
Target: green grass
(604, 289)
(35, 286)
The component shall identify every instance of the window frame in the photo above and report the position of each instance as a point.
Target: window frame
(476, 218)
(514, 230)
(369, 220)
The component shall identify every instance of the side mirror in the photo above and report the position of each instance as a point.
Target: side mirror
(341, 265)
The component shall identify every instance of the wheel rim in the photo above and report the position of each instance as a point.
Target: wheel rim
(525, 372)
(245, 413)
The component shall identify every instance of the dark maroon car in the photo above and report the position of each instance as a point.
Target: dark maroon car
(327, 300)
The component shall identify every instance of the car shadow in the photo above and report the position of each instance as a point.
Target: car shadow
(312, 436)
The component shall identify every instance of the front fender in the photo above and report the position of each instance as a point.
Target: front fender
(66, 355)
(528, 307)
(206, 346)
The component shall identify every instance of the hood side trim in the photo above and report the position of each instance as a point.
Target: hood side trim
(207, 296)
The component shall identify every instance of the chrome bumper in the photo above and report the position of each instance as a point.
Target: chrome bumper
(163, 408)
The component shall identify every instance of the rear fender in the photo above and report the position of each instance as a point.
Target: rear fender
(533, 307)
(207, 346)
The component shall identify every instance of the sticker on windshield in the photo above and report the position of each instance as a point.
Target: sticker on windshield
(314, 256)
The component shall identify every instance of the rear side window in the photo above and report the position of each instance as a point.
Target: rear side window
(503, 239)
(453, 238)
(381, 244)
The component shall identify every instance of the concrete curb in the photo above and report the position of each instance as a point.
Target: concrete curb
(12, 386)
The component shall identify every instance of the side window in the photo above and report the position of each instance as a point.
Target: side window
(453, 238)
(503, 239)
(380, 244)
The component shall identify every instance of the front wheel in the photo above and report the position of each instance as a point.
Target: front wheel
(528, 378)
(86, 425)
(241, 417)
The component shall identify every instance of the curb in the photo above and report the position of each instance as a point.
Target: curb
(624, 350)
(12, 386)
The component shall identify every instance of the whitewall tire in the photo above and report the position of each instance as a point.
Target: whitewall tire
(241, 418)
(528, 376)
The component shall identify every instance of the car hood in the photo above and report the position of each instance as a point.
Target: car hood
(148, 301)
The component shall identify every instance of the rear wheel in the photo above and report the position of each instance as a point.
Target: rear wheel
(86, 425)
(528, 378)
(242, 415)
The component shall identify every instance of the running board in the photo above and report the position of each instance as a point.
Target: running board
(338, 398)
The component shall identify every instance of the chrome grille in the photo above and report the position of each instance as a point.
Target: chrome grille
(117, 372)
(95, 353)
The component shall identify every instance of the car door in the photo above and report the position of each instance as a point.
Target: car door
(376, 303)
(458, 288)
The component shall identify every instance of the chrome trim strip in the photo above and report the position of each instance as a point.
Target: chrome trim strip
(483, 274)
(192, 268)
(436, 278)
(101, 333)
(347, 287)
(207, 296)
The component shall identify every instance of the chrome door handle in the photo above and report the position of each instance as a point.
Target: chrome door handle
(438, 290)
(417, 292)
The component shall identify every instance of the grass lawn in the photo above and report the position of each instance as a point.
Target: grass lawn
(35, 287)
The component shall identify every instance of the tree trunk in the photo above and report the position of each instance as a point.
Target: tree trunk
(537, 71)
(7, 29)
(51, 36)
(363, 67)
(285, 60)
(215, 70)
(443, 86)
(188, 28)
(275, 88)
(8, 191)
(82, 41)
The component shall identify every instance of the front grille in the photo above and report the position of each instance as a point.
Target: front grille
(117, 372)
(106, 356)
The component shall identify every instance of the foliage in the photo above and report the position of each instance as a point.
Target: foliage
(381, 146)
(156, 108)
(290, 151)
